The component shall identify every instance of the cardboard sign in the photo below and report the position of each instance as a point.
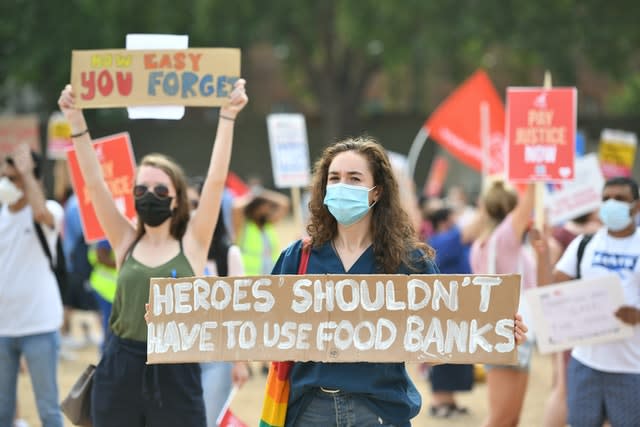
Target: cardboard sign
(334, 318)
(289, 150)
(118, 168)
(15, 130)
(571, 199)
(541, 128)
(58, 136)
(617, 152)
(578, 312)
(457, 123)
(122, 78)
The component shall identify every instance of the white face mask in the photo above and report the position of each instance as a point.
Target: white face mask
(9, 193)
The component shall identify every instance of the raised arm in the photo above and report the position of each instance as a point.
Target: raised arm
(23, 163)
(201, 226)
(118, 229)
(522, 212)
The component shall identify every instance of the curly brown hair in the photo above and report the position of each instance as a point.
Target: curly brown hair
(181, 214)
(392, 233)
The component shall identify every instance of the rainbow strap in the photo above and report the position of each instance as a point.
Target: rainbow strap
(276, 396)
(276, 399)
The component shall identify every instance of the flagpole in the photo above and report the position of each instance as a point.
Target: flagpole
(227, 403)
(485, 140)
(538, 213)
(414, 151)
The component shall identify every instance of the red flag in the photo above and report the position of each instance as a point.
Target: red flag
(456, 123)
(236, 185)
(230, 420)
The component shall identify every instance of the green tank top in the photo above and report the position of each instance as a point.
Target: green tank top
(132, 293)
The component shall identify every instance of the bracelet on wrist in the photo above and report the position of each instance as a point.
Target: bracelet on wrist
(222, 116)
(79, 134)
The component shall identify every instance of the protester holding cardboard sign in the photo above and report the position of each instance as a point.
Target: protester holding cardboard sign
(167, 242)
(500, 250)
(357, 226)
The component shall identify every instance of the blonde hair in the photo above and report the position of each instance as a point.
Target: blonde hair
(499, 200)
(181, 214)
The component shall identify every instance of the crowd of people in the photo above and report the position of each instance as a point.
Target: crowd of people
(357, 224)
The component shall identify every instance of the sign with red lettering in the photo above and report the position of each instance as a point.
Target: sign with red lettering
(541, 133)
(118, 168)
(124, 78)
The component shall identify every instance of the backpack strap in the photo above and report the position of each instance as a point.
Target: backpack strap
(581, 247)
(44, 244)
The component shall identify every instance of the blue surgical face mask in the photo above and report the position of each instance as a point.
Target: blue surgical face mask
(615, 215)
(347, 203)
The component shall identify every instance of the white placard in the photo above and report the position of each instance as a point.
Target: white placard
(289, 150)
(157, 41)
(577, 312)
(571, 199)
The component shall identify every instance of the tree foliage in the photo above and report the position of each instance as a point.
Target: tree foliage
(333, 49)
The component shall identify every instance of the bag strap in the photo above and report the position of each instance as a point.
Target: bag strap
(304, 257)
(581, 247)
(44, 244)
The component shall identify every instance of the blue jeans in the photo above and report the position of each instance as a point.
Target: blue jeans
(216, 386)
(338, 409)
(41, 353)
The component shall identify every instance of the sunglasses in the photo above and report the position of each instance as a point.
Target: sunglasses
(161, 191)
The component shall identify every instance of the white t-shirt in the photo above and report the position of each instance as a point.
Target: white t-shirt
(602, 256)
(30, 301)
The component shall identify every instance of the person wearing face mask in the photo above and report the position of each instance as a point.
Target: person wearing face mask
(356, 226)
(254, 216)
(603, 380)
(30, 301)
(166, 242)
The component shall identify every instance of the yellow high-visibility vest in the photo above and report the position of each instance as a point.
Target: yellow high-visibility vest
(251, 244)
(103, 279)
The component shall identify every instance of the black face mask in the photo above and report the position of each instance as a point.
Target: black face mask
(152, 210)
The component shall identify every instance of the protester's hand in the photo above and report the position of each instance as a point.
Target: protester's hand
(539, 241)
(67, 104)
(237, 100)
(22, 160)
(629, 315)
(520, 330)
(240, 373)
(147, 313)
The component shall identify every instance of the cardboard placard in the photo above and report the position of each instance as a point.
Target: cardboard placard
(289, 150)
(118, 168)
(578, 312)
(541, 128)
(617, 152)
(334, 318)
(58, 136)
(123, 78)
(15, 130)
(571, 199)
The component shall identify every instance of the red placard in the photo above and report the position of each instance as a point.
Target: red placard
(118, 167)
(541, 133)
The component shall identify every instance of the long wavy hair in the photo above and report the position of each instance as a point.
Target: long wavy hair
(180, 216)
(392, 233)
